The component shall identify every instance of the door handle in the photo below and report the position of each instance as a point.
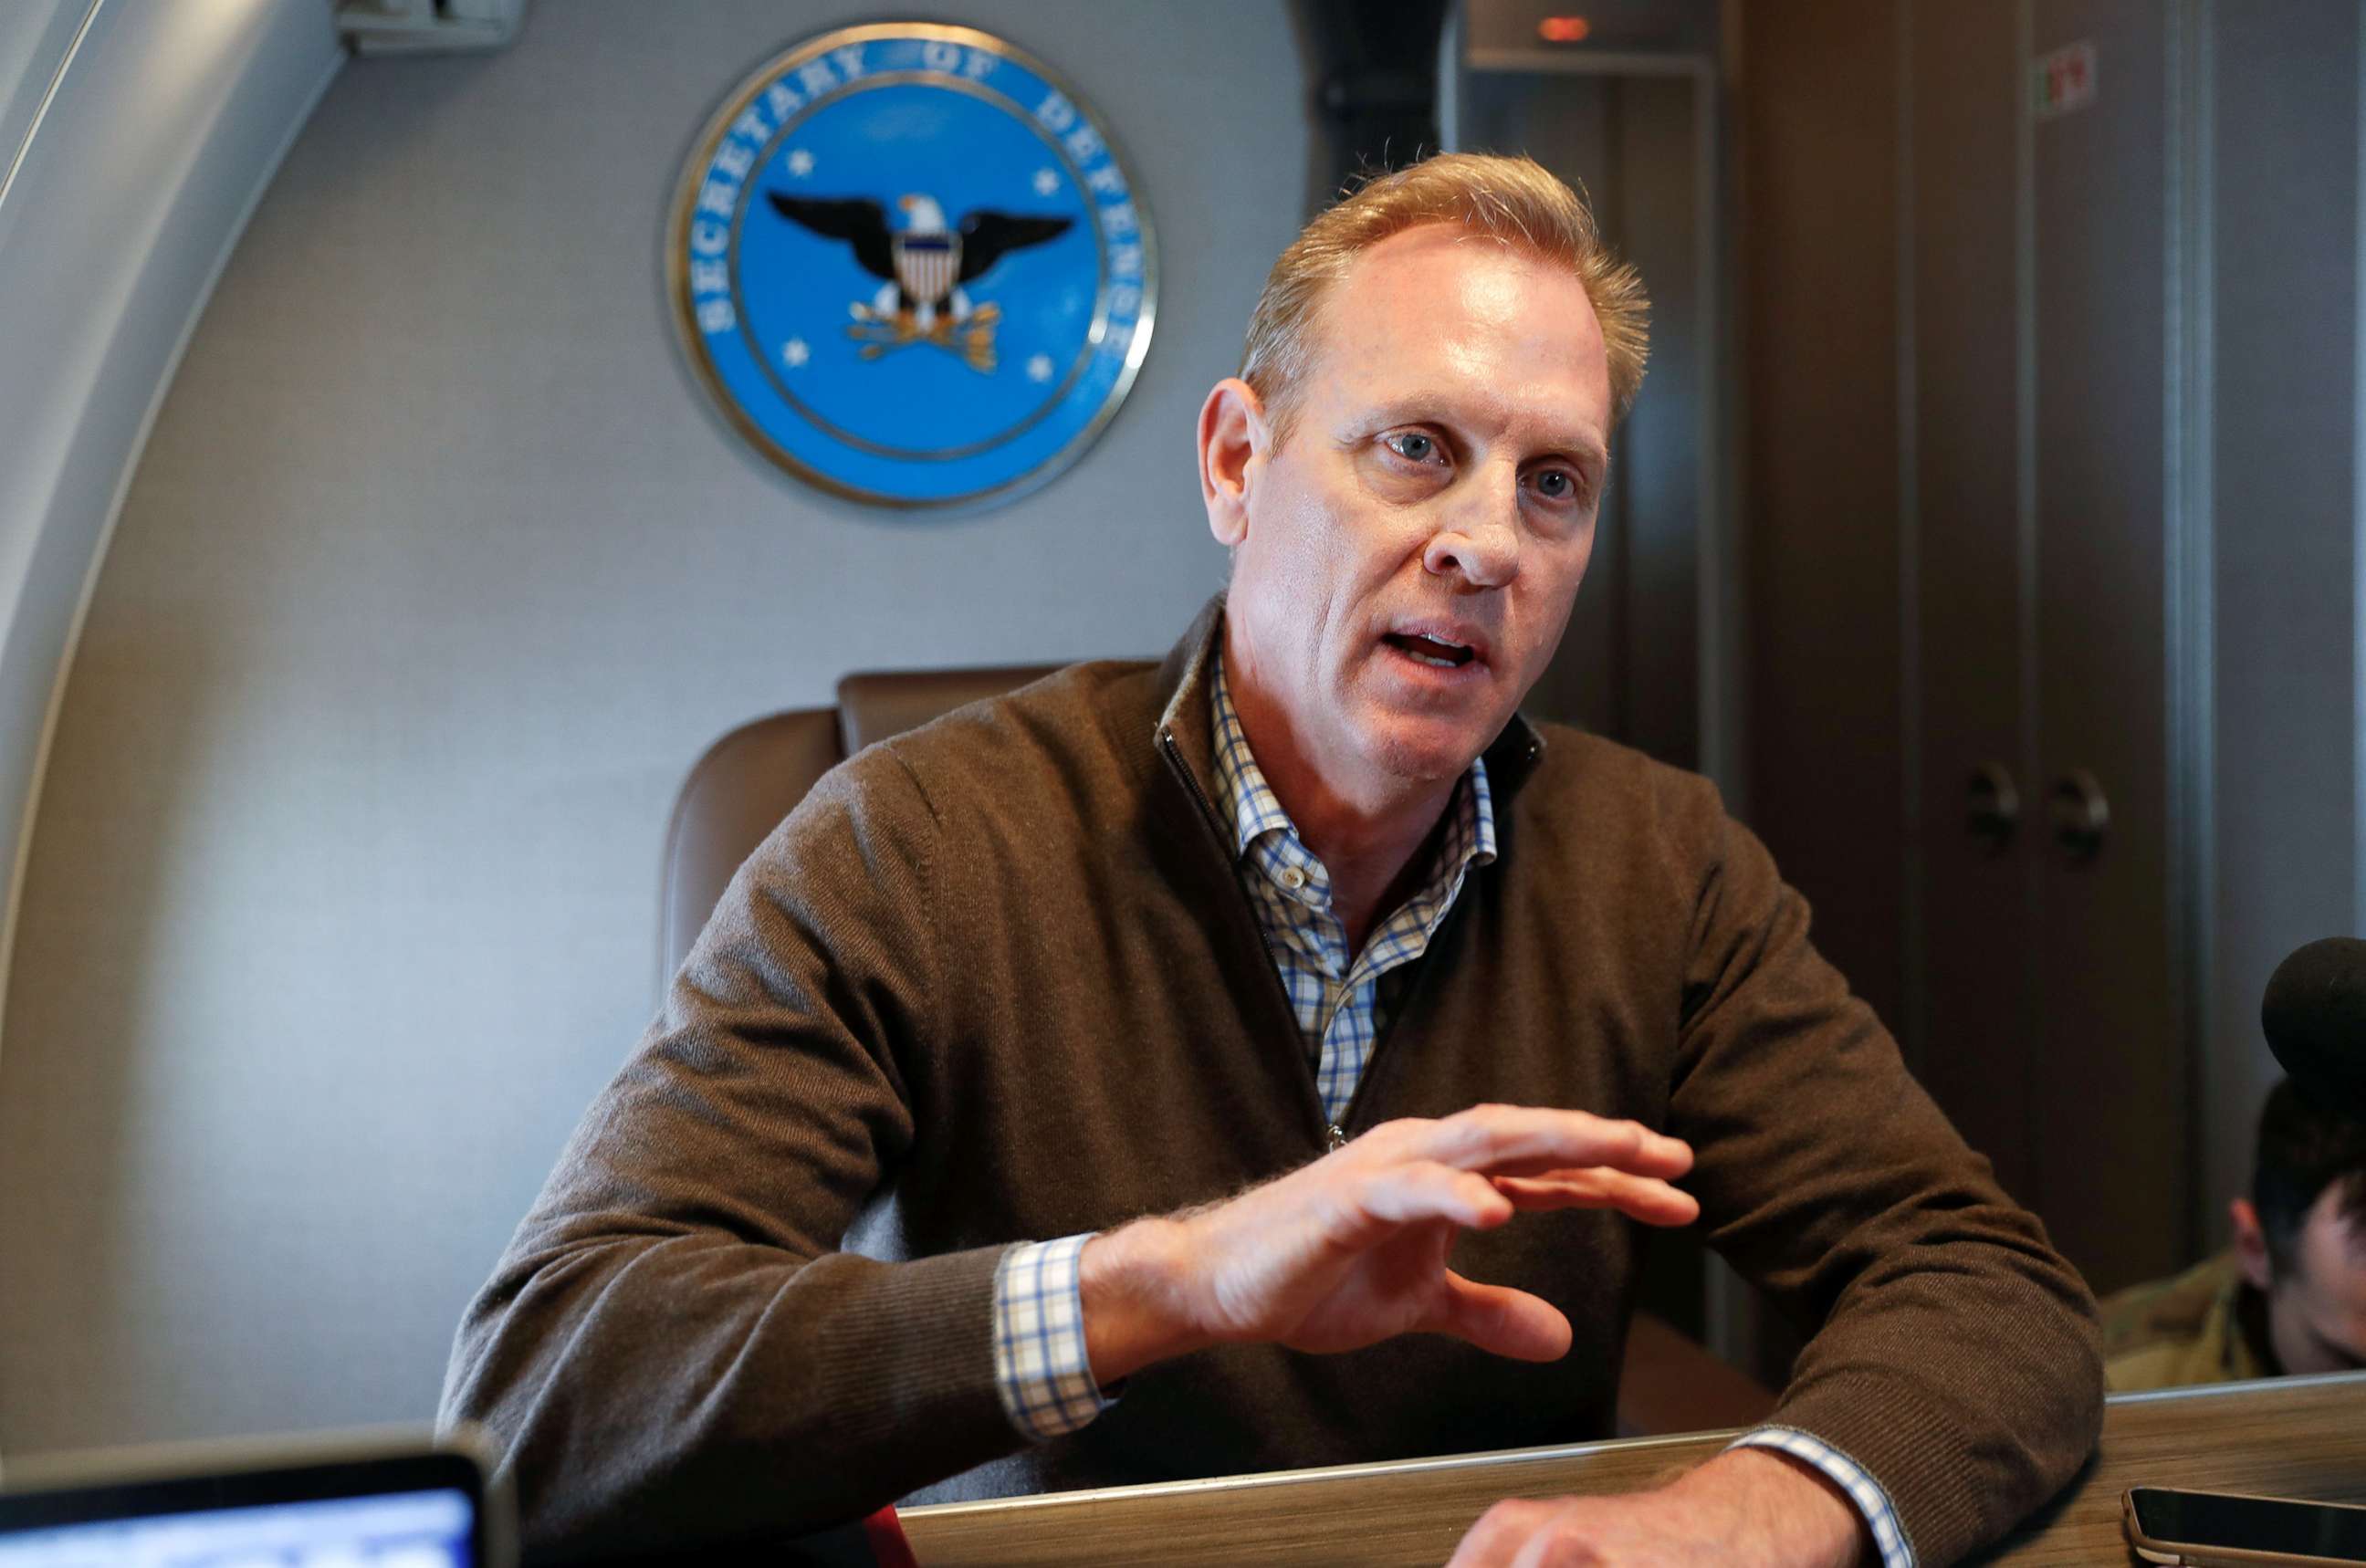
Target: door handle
(1993, 807)
(2080, 814)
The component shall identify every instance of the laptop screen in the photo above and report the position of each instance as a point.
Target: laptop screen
(389, 1510)
(417, 1530)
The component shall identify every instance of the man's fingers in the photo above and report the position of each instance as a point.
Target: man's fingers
(1489, 1137)
(1647, 1199)
(1500, 1321)
(1421, 1190)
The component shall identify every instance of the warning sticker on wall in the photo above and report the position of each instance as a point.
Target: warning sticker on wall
(2063, 80)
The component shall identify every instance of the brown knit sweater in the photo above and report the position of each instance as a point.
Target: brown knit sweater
(995, 980)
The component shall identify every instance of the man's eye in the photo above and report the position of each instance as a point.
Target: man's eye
(1412, 445)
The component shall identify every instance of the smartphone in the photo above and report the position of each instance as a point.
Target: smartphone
(2211, 1529)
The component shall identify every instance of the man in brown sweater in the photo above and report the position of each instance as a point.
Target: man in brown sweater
(1174, 1028)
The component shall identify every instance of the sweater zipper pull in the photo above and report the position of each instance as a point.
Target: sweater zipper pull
(1337, 1135)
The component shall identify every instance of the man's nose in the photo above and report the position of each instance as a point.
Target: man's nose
(1480, 540)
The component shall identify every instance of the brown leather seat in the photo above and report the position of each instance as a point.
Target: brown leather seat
(752, 777)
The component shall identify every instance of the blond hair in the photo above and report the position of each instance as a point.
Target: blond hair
(1515, 201)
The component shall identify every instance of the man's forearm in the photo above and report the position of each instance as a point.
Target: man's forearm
(653, 1392)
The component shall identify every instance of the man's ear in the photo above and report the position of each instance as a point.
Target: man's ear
(2251, 1243)
(1232, 435)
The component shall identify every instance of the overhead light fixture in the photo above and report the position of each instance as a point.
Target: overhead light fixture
(428, 27)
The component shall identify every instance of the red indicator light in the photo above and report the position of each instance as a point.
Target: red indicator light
(1563, 30)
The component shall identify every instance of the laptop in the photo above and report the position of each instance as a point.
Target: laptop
(393, 1499)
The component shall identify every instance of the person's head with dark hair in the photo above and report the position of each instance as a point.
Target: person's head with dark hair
(2302, 1234)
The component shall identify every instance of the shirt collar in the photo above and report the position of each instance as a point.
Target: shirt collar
(1256, 811)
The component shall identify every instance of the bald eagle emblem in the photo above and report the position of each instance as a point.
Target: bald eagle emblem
(924, 267)
(907, 266)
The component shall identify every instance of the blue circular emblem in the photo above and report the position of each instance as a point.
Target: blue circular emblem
(908, 265)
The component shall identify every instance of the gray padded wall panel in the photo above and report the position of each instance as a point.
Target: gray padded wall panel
(2287, 259)
(437, 577)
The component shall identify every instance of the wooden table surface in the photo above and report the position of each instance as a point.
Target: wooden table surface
(2296, 1438)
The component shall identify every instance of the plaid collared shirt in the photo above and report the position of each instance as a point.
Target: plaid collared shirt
(1342, 1001)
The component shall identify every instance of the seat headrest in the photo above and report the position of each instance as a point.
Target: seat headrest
(873, 707)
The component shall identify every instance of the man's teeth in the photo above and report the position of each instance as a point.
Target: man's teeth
(1432, 650)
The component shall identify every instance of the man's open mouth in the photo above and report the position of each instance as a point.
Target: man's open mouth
(1431, 650)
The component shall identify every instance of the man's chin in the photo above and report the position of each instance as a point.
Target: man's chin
(1424, 751)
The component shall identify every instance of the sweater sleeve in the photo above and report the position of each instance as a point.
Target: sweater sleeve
(1953, 1355)
(674, 1348)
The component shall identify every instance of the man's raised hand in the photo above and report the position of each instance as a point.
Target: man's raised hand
(1351, 1250)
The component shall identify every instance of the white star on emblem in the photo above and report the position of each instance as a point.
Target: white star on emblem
(1046, 182)
(795, 352)
(801, 162)
(1038, 368)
